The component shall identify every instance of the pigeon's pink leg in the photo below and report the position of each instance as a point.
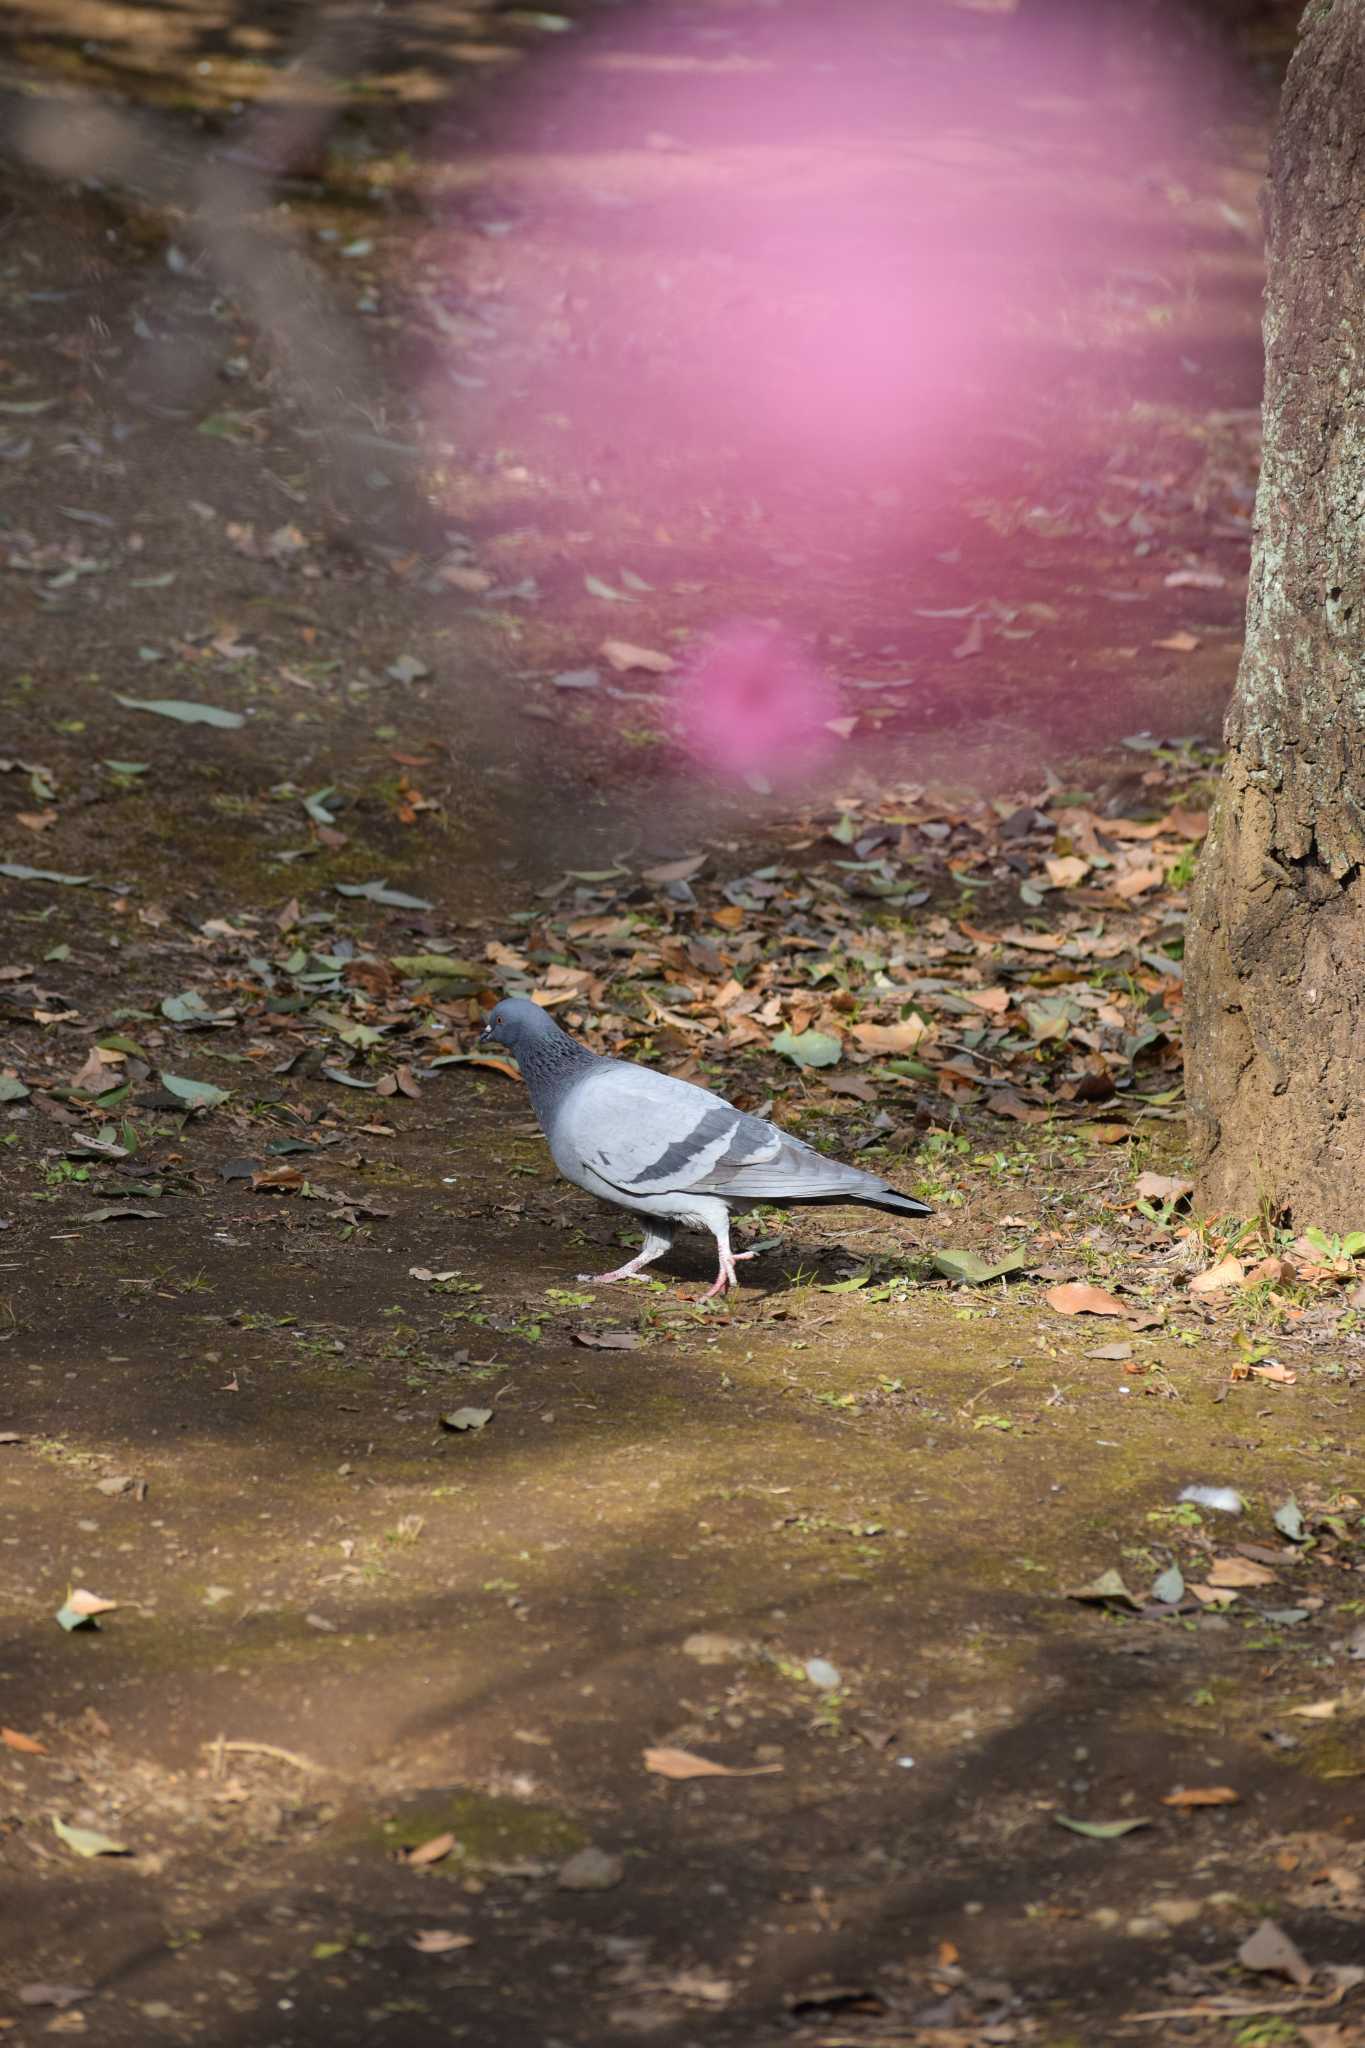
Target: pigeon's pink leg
(727, 1276)
(655, 1245)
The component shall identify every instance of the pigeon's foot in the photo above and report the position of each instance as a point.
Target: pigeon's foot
(726, 1278)
(655, 1245)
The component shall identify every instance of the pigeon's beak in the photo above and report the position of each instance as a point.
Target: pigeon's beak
(486, 1036)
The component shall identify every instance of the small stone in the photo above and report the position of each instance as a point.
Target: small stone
(1142, 1927)
(1104, 1916)
(714, 1649)
(1177, 1912)
(591, 1870)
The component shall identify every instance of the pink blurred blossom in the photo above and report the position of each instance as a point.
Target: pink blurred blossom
(754, 705)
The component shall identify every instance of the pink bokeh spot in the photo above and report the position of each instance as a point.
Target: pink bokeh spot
(754, 705)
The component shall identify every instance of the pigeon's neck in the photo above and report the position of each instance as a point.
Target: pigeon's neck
(549, 1067)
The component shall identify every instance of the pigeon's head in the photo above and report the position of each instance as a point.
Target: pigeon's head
(519, 1024)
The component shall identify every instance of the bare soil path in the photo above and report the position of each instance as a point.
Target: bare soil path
(416, 1543)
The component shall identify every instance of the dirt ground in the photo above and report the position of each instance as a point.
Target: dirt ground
(414, 1542)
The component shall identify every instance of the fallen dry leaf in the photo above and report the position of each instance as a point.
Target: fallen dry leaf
(27, 1745)
(430, 1851)
(1078, 1298)
(1228, 1272)
(82, 1602)
(1271, 1952)
(681, 1763)
(1162, 1187)
(1278, 1375)
(438, 1941)
(1202, 1795)
(1238, 1571)
(622, 655)
(1320, 1710)
(1213, 1596)
(892, 1038)
(1138, 881)
(1179, 643)
(994, 1001)
(1275, 1271)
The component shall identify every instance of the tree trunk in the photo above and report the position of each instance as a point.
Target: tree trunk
(1275, 974)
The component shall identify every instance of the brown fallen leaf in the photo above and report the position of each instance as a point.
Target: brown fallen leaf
(1179, 643)
(608, 1340)
(1137, 881)
(1320, 1710)
(1271, 1952)
(1273, 1271)
(1202, 1795)
(280, 1180)
(848, 1084)
(994, 1001)
(36, 821)
(483, 1059)
(1162, 1187)
(675, 870)
(1213, 1596)
(1238, 1571)
(82, 1602)
(623, 655)
(27, 1745)
(1228, 1272)
(430, 1851)
(1278, 1375)
(438, 1941)
(892, 1038)
(681, 1763)
(1078, 1298)
(94, 1077)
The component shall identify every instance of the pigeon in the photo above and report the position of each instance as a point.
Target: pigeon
(664, 1149)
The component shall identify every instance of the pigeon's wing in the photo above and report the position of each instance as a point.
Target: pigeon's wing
(651, 1134)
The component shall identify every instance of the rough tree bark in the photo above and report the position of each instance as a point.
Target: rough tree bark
(1275, 973)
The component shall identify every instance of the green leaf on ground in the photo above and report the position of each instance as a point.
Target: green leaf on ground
(435, 966)
(808, 1048)
(1100, 1830)
(184, 710)
(1169, 1586)
(970, 1271)
(380, 892)
(88, 1841)
(17, 872)
(463, 1419)
(198, 1094)
(1289, 1520)
(1108, 1586)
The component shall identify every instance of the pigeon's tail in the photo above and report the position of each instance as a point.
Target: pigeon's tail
(871, 1194)
(896, 1204)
